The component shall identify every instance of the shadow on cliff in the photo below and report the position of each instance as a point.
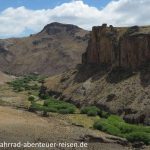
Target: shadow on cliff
(119, 74)
(90, 71)
(145, 74)
(95, 72)
(116, 75)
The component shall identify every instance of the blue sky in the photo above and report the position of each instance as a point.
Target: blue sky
(23, 17)
(40, 4)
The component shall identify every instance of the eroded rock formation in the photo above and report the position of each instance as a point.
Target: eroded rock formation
(123, 47)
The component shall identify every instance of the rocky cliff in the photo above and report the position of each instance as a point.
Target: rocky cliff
(114, 75)
(119, 47)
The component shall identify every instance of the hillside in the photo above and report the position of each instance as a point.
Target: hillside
(5, 78)
(55, 49)
(114, 75)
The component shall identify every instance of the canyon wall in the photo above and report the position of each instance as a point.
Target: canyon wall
(114, 74)
(118, 47)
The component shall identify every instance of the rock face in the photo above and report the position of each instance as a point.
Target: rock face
(55, 49)
(102, 46)
(134, 50)
(119, 47)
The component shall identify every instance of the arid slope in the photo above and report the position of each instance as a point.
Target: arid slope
(55, 49)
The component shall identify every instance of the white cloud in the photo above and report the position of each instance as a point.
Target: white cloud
(15, 21)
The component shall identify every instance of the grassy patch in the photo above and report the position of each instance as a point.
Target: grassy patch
(116, 126)
(52, 105)
(94, 111)
(82, 119)
(26, 83)
(90, 110)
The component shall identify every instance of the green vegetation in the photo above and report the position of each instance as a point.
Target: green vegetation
(94, 111)
(90, 110)
(31, 98)
(116, 126)
(26, 83)
(100, 120)
(53, 105)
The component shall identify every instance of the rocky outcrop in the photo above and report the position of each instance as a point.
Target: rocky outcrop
(102, 46)
(119, 47)
(134, 50)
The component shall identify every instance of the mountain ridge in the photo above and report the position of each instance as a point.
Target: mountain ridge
(53, 50)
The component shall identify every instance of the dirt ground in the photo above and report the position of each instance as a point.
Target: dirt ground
(18, 125)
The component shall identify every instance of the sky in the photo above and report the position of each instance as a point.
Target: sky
(23, 17)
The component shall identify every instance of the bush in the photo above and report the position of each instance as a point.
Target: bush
(52, 105)
(45, 103)
(35, 87)
(23, 83)
(35, 107)
(138, 137)
(50, 109)
(44, 96)
(104, 114)
(71, 110)
(106, 127)
(117, 126)
(90, 110)
(92, 113)
(31, 98)
(125, 128)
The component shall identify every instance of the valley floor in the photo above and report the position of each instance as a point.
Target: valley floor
(18, 125)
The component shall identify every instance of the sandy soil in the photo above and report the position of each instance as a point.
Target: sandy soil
(5, 78)
(18, 125)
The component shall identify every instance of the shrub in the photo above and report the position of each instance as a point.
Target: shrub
(44, 96)
(45, 103)
(51, 105)
(35, 87)
(92, 113)
(59, 104)
(90, 110)
(104, 114)
(114, 120)
(36, 107)
(117, 126)
(23, 83)
(31, 98)
(50, 109)
(98, 125)
(125, 128)
(138, 136)
(106, 127)
(71, 110)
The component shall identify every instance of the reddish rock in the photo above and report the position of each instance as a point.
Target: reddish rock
(135, 50)
(101, 47)
(123, 47)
